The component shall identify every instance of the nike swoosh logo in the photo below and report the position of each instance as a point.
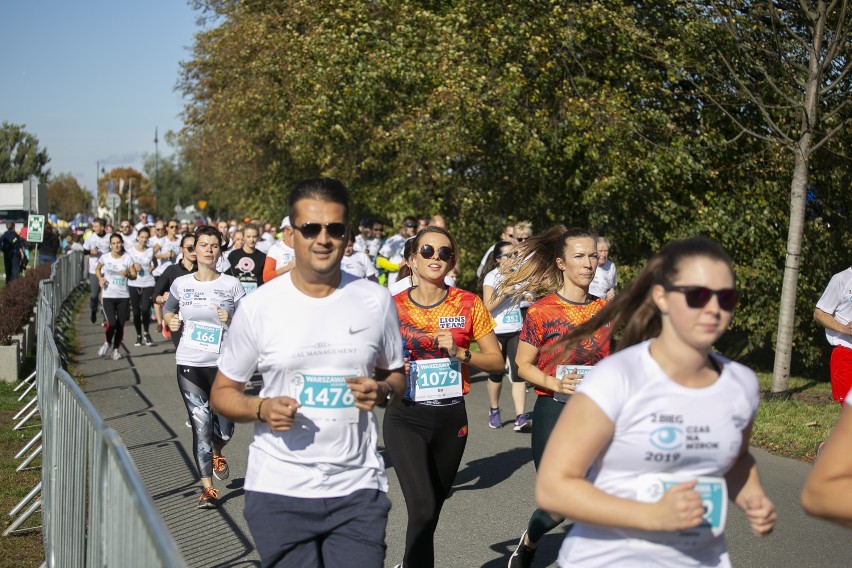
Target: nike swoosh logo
(354, 331)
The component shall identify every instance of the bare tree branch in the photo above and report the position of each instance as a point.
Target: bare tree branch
(828, 135)
(825, 90)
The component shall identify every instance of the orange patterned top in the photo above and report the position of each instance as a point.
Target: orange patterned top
(553, 317)
(462, 312)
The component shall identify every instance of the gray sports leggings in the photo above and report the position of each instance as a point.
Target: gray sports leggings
(209, 430)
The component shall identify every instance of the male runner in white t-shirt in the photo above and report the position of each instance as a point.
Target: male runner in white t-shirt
(96, 245)
(315, 482)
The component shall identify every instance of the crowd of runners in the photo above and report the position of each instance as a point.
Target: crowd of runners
(640, 441)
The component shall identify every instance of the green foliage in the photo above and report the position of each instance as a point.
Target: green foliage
(554, 112)
(20, 156)
(65, 197)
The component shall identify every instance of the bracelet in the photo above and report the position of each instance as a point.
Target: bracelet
(257, 410)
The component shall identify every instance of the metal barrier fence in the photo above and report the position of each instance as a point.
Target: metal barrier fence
(95, 510)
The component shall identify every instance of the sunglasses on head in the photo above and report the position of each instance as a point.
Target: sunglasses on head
(699, 296)
(521, 239)
(312, 230)
(444, 253)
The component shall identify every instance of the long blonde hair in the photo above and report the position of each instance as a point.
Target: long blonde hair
(532, 268)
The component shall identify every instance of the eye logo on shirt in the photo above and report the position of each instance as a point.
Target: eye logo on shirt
(452, 322)
(187, 296)
(666, 438)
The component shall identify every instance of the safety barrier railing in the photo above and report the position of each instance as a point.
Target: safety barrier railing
(95, 510)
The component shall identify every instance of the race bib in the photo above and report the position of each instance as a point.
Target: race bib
(435, 379)
(249, 287)
(119, 281)
(203, 336)
(324, 395)
(714, 498)
(512, 316)
(569, 369)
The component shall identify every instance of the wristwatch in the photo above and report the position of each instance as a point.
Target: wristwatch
(466, 356)
(385, 402)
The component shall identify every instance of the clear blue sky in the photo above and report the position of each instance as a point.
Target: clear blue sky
(91, 79)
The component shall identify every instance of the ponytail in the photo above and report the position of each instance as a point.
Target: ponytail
(533, 268)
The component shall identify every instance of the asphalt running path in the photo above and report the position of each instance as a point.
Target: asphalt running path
(481, 522)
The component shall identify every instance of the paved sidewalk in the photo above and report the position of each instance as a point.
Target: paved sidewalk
(480, 523)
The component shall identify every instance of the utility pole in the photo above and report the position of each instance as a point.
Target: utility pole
(156, 169)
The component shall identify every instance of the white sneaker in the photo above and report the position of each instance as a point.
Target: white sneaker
(116, 355)
(103, 350)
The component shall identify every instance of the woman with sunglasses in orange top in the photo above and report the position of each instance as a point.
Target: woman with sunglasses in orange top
(656, 439)
(426, 433)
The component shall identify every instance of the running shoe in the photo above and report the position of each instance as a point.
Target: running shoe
(523, 555)
(138, 341)
(148, 341)
(522, 423)
(102, 351)
(220, 468)
(116, 355)
(494, 418)
(209, 498)
(95, 315)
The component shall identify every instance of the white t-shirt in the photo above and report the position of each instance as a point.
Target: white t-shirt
(332, 449)
(837, 301)
(166, 246)
(392, 250)
(661, 427)
(111, 268)
(400, 285)
(195, 302)
(282, 254)
(265, 242)
(484, 260)
(129, 240)
(97, 246)
(507, 314)
(604, 280)
(144, 278)
(358, 264)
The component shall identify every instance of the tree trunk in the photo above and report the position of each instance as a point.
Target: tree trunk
(787, 311)
(798, 201)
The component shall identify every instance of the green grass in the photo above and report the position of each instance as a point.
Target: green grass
(24, 549)
(792, 427)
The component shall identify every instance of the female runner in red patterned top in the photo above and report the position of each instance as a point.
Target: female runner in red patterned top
(426, 433)
(563, 262)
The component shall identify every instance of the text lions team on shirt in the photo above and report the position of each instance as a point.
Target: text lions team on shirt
(452, 322)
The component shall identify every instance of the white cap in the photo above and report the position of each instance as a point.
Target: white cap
(285, 222)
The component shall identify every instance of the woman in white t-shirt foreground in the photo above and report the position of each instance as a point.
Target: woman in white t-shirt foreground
(203, 304)
(658, 434)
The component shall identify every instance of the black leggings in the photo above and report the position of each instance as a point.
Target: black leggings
(509, 346)
(116, 314)
(425, 444)
(141, 300)
(545, 415)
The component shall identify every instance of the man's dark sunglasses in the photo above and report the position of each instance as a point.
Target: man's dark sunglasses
(312, 230)
(409, 226)
(444, 253)
(699, 296)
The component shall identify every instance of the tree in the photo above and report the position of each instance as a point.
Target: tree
(780, 71)
(177, 184)
(136, 187)
(66, 198)
(20, 156)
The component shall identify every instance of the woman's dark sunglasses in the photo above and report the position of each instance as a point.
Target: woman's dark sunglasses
(312, 230)
(699, 296)
(190, 248)
(444, 253)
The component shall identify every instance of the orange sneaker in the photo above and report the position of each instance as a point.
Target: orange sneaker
(209, 498)
(220, 468)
